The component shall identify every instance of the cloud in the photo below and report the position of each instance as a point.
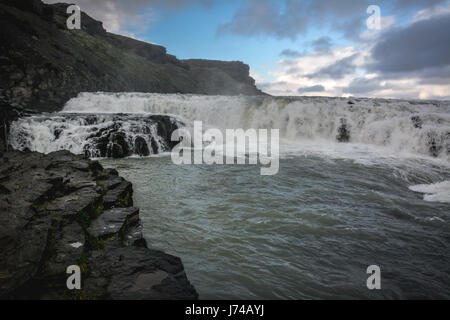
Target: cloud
(289, 18)
(363, 86)
(316, 88)
(293, 76)
(257, 17)
(119, 16)
(411, 61)
(338, 69)
(290, 53)
(431, 12)
(322, 44)
(421, 45)
(408, 4)
(407, 88)
(268, 85)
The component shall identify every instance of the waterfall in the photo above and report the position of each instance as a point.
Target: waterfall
(417, 127)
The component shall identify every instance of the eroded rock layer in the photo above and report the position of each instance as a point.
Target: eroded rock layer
(59, 210)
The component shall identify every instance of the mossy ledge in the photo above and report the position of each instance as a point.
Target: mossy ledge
(61, 209)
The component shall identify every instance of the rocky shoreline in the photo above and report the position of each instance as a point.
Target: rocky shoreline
(62, 209)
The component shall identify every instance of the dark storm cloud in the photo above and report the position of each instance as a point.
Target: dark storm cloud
(408, 4)
(337, 70)
(293, 17)
(424, 44)
(439, 76)
(322, 44)
(268, 85)
(433, 75)
(317, 88)
(290, 53)
(363, 86)
(256, 17)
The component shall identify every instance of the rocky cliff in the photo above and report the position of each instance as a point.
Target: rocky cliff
(59, 210)
(43, 64)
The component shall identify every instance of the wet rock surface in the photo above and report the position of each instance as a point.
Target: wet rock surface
(43, 64)
(8, 114)
(59, 210)
(343, 132)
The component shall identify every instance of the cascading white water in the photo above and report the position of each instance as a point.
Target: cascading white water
(97, 135)
(418, 127)
(374, 128)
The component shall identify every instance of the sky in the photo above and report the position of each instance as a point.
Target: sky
(302, 47)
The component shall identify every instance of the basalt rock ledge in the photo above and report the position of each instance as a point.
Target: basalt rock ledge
(61, 209)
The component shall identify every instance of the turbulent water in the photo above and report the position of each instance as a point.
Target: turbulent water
(361, 182)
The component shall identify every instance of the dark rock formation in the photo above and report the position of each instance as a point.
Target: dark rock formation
(43, 64)
(59, 210)
(8, 114)
(210, 74)
(417, 122)
(141, 147)
(434, 147)
(343, 132)
(235, 69)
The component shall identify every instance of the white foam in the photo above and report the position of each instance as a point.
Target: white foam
(380, 130)
(372, 122)
(436, 192)
(37, 133)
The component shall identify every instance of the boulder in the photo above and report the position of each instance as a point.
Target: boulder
(141, 147)
(114, 223)
(343, 132)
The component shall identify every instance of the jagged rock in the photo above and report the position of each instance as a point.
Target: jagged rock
(52, 216)
(136, 274)
(114, 222)
(133, 236)
(120, 196)
(140, 147)
(116, 151)
(118, 147)
(112, 182)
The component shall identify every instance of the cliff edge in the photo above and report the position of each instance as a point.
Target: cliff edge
(43, 64)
